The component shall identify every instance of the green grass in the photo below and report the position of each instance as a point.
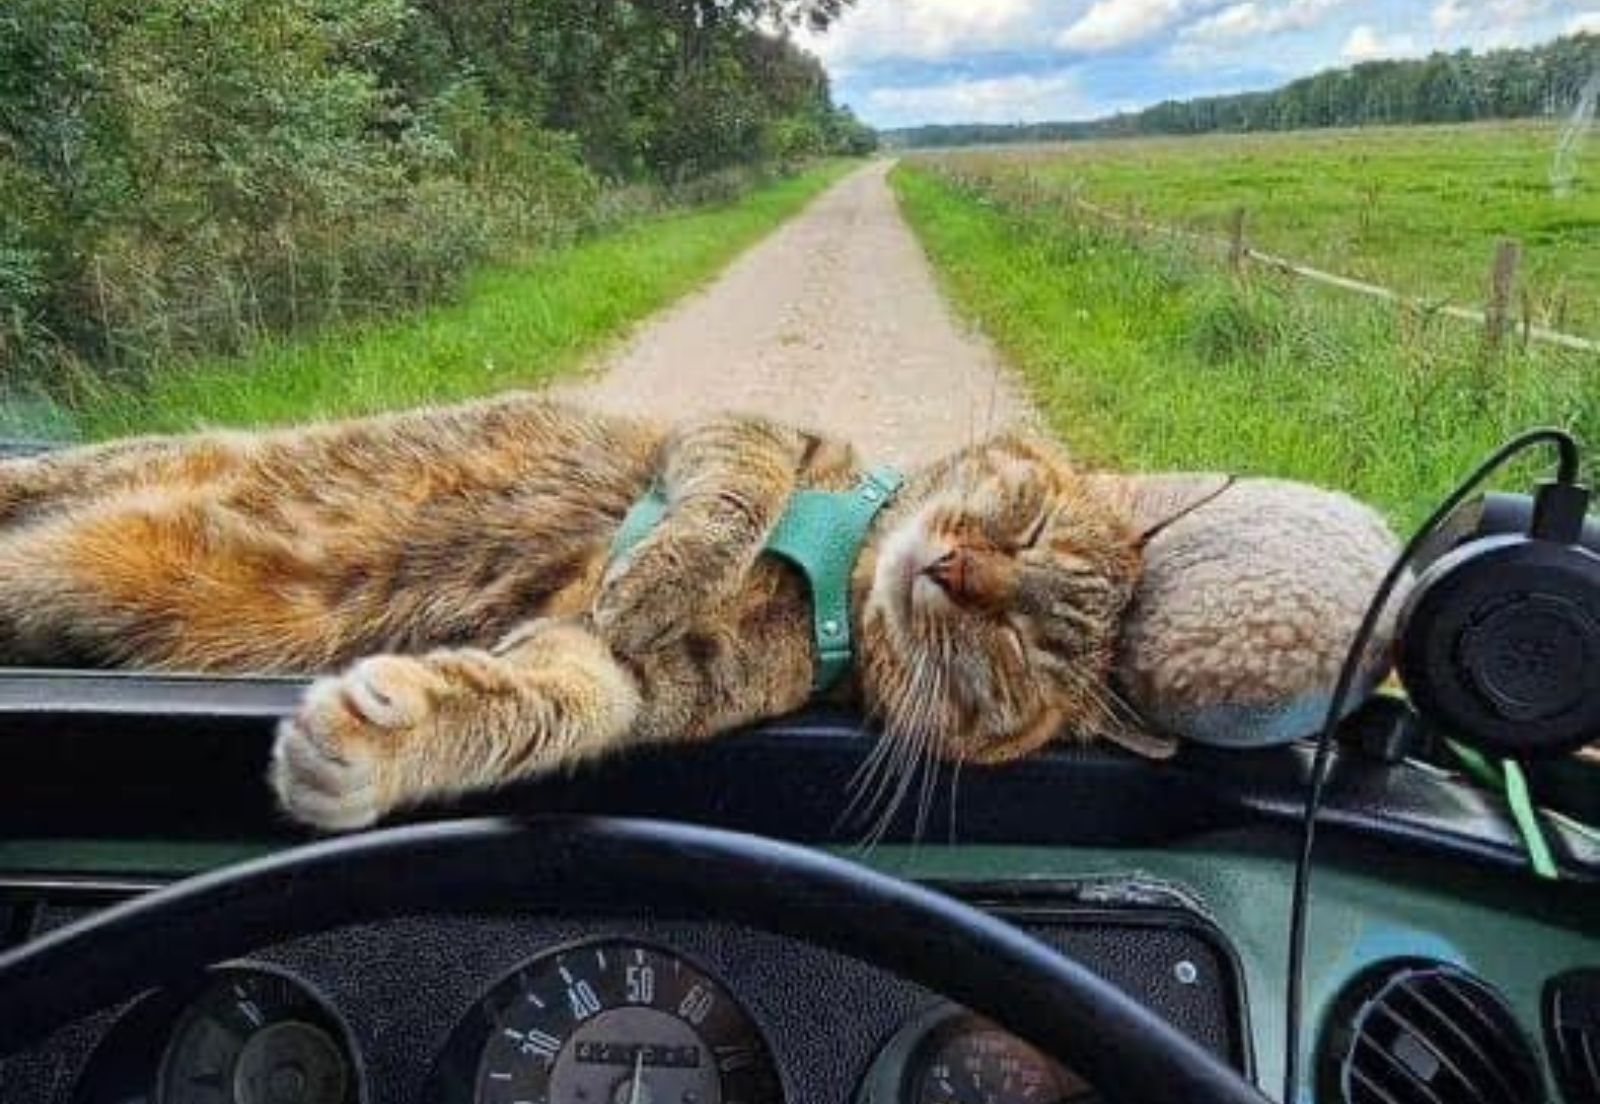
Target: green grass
(513, 325)
(1147, 356)
(1419, 209)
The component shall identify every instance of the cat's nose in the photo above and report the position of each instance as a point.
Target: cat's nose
(949, 571)
(973, 577)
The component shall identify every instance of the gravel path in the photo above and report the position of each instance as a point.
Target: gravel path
(833, 321)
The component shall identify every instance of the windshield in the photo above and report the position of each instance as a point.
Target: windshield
(1351, 244)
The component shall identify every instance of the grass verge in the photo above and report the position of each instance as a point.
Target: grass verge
(513, 325)
(1143, 355)
(1416, 208)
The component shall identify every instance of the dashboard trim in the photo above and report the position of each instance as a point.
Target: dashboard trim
(183, 758)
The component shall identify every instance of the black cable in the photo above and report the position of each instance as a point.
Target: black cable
(1567, 473)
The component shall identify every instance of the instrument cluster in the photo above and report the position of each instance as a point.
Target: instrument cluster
(241, 1034)
(596, 1021)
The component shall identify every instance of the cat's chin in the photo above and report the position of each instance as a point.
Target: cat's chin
(901, 589)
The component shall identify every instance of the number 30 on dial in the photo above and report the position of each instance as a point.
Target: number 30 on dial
(613, 1022)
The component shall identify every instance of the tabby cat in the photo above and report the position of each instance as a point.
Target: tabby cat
(453, 565)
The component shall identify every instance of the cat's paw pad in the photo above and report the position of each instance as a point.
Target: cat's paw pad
(336, 763)
(320, 787)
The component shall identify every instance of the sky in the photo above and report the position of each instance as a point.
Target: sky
(905, 62)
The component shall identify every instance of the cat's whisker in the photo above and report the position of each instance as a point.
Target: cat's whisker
(875, 778)
(869, 778)
(955, 793)
(1113, 704)
(911, 729)
(930, 779)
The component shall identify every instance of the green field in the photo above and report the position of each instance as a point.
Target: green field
(513, 325)
(1148, 354)
(1419, 209)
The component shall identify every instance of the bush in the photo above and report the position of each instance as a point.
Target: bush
(186, 176)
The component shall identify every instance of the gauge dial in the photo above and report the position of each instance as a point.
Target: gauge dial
(255, 1037)
(619, 1023)
(966, 1060)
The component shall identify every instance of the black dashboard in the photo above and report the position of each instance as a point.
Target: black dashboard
(1169, 881)
(493, 1009)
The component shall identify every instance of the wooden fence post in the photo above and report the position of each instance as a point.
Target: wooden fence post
(1236, 246)
(1502, 287)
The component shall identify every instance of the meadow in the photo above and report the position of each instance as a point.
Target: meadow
(514, 324)
(1145, 351)
(1418, 208)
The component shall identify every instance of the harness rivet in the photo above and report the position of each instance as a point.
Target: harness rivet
(831, 628)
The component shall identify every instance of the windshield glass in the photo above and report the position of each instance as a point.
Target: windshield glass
(1350, 244)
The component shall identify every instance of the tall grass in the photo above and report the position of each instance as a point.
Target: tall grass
(1416, 208)
(514, 325)
(1146, 355)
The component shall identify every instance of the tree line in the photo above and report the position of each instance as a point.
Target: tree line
(183, 175)
(1442, 88)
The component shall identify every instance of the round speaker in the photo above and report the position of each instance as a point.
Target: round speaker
(1500, 645)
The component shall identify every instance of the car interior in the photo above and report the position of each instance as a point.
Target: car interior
(1399, 903)
(1129, 919)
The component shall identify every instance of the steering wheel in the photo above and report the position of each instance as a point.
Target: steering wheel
(1127, 1052)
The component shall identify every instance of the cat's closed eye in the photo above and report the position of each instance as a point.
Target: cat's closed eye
(1030, 539)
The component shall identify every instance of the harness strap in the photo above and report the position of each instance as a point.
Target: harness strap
(821, 534)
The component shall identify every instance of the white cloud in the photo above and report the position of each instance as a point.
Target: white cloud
(1447, 15)
(1490, 24)
(1253, 20)
(1514, 12)
(1583, 23)
(1110, 24)
(1366, 44)
(1025, 98)
(924, 30)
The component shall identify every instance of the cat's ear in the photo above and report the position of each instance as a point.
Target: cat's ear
(1131, 735)
(1152, 502)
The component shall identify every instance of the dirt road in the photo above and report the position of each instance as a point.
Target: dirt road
(833, 322)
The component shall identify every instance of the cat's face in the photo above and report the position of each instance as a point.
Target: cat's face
(996, 594)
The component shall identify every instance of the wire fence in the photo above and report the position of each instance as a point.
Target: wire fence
(1497, 317)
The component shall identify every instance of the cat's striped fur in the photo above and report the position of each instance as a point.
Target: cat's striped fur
(447, 571)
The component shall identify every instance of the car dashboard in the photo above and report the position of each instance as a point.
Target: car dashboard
(1169, 880)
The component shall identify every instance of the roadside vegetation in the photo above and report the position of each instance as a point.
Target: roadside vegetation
(1147, 353)
(515, 325)
(186, 178)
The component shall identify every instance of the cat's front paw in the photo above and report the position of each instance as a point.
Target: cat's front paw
(340, 763)
(640, 609)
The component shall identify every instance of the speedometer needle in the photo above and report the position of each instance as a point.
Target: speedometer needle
(638, 1076)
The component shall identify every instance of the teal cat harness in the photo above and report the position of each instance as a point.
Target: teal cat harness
(821, 534)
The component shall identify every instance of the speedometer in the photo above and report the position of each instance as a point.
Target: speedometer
(614, 1022)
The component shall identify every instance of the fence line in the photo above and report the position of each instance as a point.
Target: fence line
(1240, 252)
(1345, 283)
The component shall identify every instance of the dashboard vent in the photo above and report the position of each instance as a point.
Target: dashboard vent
(1416, 1032)
(1572, 1033)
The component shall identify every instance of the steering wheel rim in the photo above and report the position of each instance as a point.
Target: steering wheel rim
(570, 865)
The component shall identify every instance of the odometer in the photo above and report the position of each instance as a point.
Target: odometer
(618, 1023)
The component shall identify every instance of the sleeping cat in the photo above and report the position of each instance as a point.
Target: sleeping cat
(454, 566)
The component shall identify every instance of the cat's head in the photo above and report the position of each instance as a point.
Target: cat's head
(998, 582)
